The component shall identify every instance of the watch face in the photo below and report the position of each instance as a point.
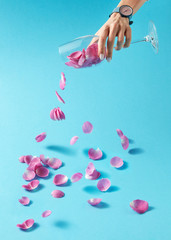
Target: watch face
(126, 10)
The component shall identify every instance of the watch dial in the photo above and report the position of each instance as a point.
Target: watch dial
(126, 10)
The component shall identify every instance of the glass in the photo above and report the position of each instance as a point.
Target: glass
(77, 45)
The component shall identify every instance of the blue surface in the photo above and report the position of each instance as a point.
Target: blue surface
(131, 93)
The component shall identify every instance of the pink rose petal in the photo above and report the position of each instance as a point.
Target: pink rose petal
(90, 168)
(60, 179)
(95, 154)
(25, 159)
(116, 162)
(76, 177)
(57, 114)
(73, 140)
(95, 175)
(94, 201)
(140, 206)
(57, 194)
(24, 200)
(40, 137)
(31, 185)
(42, 172)
(87, 127)
(119, 132)
(75, 55)
(29, 175)
(62, 81)
(34, 164)
(46, 213)
(44, 160)
(103, 184)
(54, 163)
(124, 142)
(59, 97)
(27, 224)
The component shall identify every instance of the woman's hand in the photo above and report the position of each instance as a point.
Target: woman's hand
(116, 26)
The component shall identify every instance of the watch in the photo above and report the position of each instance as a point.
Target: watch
(125, 11)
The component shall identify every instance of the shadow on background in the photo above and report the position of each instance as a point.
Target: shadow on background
(150, 208)
(104, 174)
(135, 151)
(33, 228)
(61, 149)
(131, 141)
(102, 205)
(91, 189)
(85, 152)
(113, 189)
(124, 166)
(62, 224)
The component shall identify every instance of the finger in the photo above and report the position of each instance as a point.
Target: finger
(110, 42)
(101, 43)
(120, 40)
(128, 35)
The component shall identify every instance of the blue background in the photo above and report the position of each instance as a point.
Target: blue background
(132, 93)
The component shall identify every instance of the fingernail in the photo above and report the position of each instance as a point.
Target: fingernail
(109, 59)
(101, 56)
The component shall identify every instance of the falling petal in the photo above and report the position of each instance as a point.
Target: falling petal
(57, 114)
(21, 159)
(60, 179)
(29, 175)
(57, 194)
(119, 132)
(42, 172)
(87, 127)
(31, 185)
(40, 137)
(140, 206)
(59, 97)
(116, 162)
(90, 168)
(95, 154)
(46, 213)
(124, 142)
(103, 184)
(94, 201)
(95, 175)
(62, 81)
(54, 163)
(27, 224)
(76, 177)
(24, 200)
(73, 140)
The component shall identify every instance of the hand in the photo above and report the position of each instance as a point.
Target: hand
(116, 26)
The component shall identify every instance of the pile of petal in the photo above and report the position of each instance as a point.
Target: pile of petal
(84, 58)
(57, 114)
(124, 139)
(91, 172)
